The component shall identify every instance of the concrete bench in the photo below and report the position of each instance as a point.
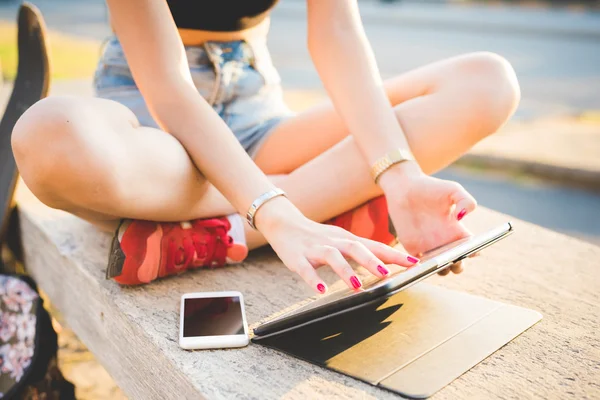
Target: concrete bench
(133, 331)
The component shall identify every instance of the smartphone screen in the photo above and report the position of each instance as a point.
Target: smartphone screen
(212, 316)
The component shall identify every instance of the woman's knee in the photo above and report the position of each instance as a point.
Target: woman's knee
(493, 85)
(47, 141)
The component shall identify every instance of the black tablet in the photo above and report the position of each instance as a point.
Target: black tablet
(431, 263)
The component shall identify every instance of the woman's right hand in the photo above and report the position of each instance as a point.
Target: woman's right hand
(304, 245)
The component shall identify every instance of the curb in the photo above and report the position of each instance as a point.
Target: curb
(473, 18)
(573, 177)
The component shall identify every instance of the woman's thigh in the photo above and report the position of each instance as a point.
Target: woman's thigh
(444, 108)
(91, 157)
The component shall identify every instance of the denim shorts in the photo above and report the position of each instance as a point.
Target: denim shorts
(236, 78)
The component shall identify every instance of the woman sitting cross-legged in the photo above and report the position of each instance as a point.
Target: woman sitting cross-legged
(189, 134)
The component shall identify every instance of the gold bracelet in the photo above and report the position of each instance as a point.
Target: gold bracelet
(392, 158)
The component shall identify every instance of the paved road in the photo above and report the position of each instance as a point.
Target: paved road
(557, 75)
(559, 71)
(570, 211)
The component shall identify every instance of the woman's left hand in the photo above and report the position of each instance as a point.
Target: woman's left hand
(426, 211)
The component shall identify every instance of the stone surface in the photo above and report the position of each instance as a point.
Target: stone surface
(133, 331)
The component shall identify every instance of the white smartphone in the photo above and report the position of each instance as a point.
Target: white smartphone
(212, 320)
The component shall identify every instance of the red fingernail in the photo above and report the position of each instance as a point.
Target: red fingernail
(461, 214)
(382, 270)
(321, 288)
(412, 259)
(355, 282)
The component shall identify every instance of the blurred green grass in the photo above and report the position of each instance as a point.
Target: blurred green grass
(70, 57)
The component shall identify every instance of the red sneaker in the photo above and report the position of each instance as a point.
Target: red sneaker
(142, 251)
(370, 220)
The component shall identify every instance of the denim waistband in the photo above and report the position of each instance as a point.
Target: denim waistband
(237, 79)
(216, 54)
(253, 53)
(220, 52)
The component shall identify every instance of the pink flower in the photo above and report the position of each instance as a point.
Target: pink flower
(17, 295)
(15, 359)
(8, 326)
(26, 328)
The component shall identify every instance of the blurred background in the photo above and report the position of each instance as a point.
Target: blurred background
(542, 167)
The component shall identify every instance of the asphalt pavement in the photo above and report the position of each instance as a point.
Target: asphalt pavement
(559, 73)
(556, 53)
(570, 211)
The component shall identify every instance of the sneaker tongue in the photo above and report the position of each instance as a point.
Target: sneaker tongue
(237, 229)
(238, 251)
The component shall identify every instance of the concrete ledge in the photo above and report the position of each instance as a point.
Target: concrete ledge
(133, 331)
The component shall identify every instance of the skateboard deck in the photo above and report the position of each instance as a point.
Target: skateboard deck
(31, 85)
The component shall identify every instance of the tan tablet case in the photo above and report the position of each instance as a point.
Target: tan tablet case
(413, 343)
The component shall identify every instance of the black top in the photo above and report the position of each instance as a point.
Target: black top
(219, 15)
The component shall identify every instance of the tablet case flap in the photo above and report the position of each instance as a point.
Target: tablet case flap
(413, 343)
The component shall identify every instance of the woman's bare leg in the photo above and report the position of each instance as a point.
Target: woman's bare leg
(91, 158)
(444, 108)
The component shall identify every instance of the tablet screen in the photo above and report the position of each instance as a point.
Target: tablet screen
(430, 262)
(372, 280)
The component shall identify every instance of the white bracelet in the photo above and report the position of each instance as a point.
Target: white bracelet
(259, 202)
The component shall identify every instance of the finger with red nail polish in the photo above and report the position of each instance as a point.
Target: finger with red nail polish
(383, 270)
(321, 288)
(356, 283)
(463, 202)
(412, 259)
